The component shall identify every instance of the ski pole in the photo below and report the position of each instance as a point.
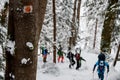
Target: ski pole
(93, 76)
(106, 76)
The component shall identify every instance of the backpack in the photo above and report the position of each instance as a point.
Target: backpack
(60, 53)
(101, 65)
(44, 51)
(70, 55)
(77, 56)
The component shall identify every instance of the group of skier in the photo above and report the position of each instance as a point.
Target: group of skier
(77, 57)
(71, 57)
(101, 63)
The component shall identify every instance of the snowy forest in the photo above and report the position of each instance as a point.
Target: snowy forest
(59, 39)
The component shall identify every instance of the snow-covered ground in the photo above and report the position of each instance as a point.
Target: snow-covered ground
(61, 71)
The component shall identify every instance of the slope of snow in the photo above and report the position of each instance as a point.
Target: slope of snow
(61, 71)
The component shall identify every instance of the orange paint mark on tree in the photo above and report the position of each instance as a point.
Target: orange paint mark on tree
(28, 9)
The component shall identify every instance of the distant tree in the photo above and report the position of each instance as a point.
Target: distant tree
(3, 35)
(64, 12)
(3, 23)
(3, 16)
(54, 33)
(24, 26)
(117, 56)
(93, 10)
(73, 27)
(95, 34)
(75, 23)
(116, 32)
(109, 25)
(1, 66)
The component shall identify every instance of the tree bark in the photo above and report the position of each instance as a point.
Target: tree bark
(54, 25)
(78, 21)
(74, 30)
(117, 55)
(25, 27)
(71, 40)
(78, 12)
(8, 56)
(95, 34)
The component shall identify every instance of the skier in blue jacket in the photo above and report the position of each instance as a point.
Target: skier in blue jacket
(101, 68)
(44, 53)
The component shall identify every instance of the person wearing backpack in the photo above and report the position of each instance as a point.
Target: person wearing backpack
(78, 59)
(101, 68)
(44, 53)
(70, 56)
(60, 54)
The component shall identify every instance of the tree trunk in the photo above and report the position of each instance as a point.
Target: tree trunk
(75, 29)
(54, 24)
(108, 27)
(71, 40)
(95, 34)
(78, 12)
(25, 23)
(117, 55)
(8, 56)
(78, 21)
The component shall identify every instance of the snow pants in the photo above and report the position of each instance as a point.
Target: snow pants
(60, 58)
(78, 64)
(44, 58)
(72, 62)
(101, 75)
